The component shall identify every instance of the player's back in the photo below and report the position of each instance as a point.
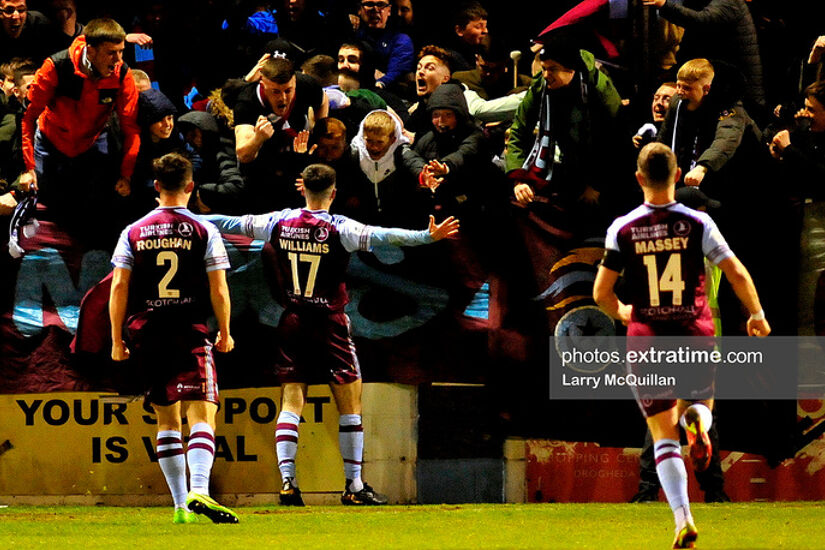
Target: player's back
(169, 261)
(312, 259)
(662, 251)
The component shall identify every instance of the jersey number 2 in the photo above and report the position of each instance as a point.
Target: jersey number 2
(671, 280)
(314, 261)
(163, 286)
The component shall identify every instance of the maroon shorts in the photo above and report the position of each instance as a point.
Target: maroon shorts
(654, 399)
(316, 348)
(175, 358)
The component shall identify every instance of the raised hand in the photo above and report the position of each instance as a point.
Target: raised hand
(439, 168)
(448, 229)
(264, 128)
(255, 74)
(429, 180)
(301, 142)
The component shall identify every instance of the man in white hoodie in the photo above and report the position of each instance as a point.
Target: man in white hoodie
(387, 191)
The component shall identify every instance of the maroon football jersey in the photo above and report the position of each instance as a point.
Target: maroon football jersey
(662, 250)
(170, 251)
(312, 259)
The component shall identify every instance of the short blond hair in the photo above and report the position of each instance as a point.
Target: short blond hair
(696, 70)
(380, 121)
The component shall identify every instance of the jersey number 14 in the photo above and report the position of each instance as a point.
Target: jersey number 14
(670, 281)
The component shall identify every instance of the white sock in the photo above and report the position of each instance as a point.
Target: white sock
(672, 476)
(173, 464)
(286, 443)
(200, 454)
(351, 443)
(705, 416)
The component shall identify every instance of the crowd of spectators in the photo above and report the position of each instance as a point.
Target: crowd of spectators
(419, 114)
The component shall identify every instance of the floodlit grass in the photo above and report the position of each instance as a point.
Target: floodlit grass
(598, 526)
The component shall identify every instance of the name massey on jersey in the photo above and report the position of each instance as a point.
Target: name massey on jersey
(660, 245)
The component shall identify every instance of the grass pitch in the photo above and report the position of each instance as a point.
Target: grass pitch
(601, 526)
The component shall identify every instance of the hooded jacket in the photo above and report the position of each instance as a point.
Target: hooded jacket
(377, 170)
(153, 106)
(463, 149)
(73, 124)
(388, 186)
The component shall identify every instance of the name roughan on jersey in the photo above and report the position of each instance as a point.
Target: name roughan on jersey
(170, 243)
(169, 252)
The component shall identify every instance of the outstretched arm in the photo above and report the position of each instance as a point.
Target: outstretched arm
(254, 227)
(393, 236)
(745, 290)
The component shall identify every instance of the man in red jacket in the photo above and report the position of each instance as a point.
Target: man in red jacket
(64, 131)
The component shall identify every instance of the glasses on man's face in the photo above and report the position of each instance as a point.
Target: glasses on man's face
(375, 5)
(11, 10)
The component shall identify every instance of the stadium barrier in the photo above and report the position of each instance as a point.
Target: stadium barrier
(88, 448)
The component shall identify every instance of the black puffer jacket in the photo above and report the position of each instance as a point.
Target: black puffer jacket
(720, 29)
(720, 135)
(220, 184)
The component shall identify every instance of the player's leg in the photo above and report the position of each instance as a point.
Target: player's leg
(696, 418)
(293, 398)
(171, 458)
(200, 451)
(672, 473)
(200, 455)
(351, 443)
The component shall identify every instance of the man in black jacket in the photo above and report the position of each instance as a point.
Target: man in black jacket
(452, 157)
(719, 29)
(710, 131)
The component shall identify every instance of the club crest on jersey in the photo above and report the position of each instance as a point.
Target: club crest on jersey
(185, 229)
(321, 234)
(681, 228)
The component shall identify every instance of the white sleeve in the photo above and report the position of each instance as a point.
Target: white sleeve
(255, 227)
(493, 110)
(123, 256)
(216, 256)
(714, 245)
(354, 235)
(611, 240)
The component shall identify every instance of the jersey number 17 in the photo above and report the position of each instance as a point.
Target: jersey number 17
(314, 261)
